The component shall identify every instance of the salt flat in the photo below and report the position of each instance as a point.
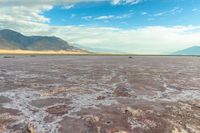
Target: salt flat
(99, 94)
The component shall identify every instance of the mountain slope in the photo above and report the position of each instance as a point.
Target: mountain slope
(4, 44)
(13, 40)
(195, 50)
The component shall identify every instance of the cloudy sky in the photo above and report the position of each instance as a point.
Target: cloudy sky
(128, 26)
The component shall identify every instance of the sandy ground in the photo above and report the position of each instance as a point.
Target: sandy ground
(47, 52)
(99, 94)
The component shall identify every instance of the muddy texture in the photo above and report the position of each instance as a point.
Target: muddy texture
(99, 94)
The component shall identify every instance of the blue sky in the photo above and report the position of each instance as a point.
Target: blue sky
(127, 26)
(146, 13)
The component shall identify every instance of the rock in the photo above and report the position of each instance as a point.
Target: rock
(29, 128)
(176, 130)
(101, 97)
(121, 132)
(133, 112)
(123, 92)
(91, 118)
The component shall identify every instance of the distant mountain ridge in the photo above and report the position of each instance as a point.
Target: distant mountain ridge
(11, 40)
(195, 50)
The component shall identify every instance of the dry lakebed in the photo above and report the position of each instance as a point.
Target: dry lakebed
(99, 94)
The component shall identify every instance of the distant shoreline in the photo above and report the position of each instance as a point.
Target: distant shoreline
(84, 53)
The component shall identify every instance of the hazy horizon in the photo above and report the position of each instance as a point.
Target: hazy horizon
(124, 26)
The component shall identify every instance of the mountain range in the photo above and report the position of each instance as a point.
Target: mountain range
(11, 40)
(195, 50)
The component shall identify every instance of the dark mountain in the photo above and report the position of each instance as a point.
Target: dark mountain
(195, 50)
(13, 40)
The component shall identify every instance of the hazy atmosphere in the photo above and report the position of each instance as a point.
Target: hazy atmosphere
(122, 26)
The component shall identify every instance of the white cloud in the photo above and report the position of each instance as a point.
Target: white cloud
(176, 10)
(118, 2)
(149, 40)
(127, 15)
(115, 2)
(104, 17)
(59, 2)
(39, 2)
(160, 14)
(152, 40)
(173, 11)
(30, 11)
(68, 6)
(26, 14)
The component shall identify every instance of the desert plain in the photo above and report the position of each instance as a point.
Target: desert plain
(100, 94)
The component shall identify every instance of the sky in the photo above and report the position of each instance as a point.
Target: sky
(125, 26)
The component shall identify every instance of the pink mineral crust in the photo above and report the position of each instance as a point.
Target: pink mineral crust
(99, 94)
